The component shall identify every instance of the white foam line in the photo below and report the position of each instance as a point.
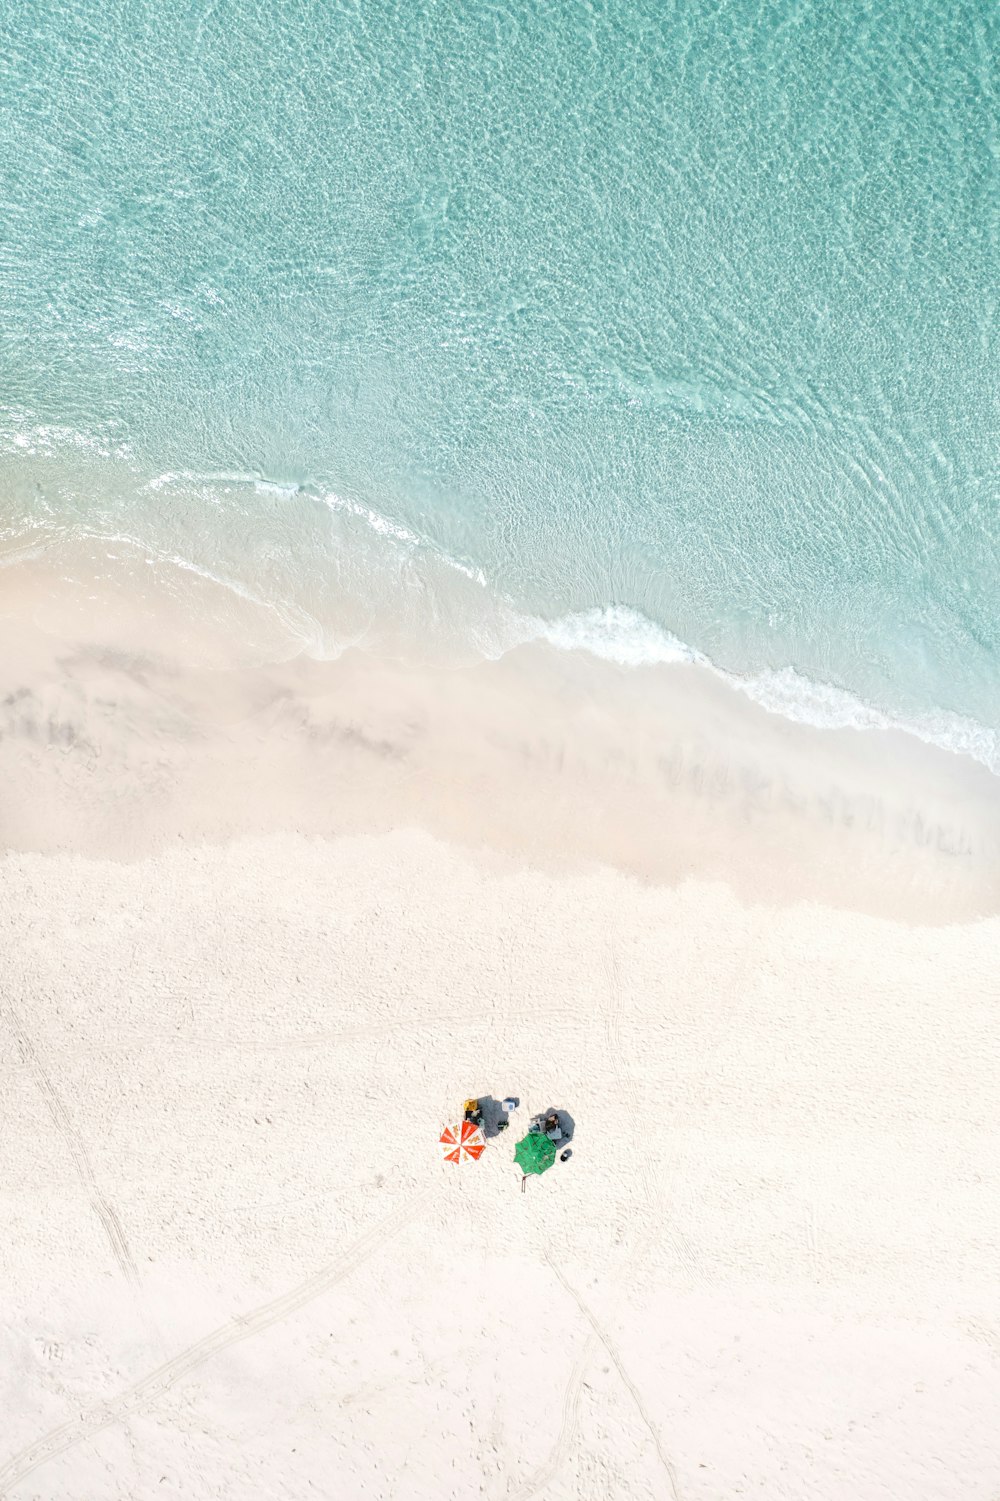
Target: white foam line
(385, 528)
(311, 640)
(381, 525)
(222, 477)
(373, 519)
(621, 634)
(615, 633)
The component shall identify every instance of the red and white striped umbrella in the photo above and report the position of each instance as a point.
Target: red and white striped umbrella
(462, 1143)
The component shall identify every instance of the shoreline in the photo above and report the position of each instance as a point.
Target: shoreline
(438, 614)
(267, 926)
(121, 744)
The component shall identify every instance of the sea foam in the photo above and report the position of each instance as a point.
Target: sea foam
(620, 634)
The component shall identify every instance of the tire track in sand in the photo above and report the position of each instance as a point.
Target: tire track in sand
(158, 1382)
(619, 1365)
(105, 1212)
(551, 1466)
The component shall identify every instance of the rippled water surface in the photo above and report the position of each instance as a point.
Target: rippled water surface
(486, 313)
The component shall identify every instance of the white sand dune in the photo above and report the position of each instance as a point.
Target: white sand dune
(233, 1263)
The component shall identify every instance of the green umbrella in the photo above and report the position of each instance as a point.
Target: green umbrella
(534, 1153)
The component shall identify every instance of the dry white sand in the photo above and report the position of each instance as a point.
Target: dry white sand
(233, 1264)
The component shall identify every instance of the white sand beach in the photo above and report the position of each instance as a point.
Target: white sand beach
(265, 928)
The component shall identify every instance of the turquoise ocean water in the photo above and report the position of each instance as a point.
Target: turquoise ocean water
(667, 329)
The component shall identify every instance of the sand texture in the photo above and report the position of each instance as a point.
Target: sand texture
(265, 927)
(234, 1265)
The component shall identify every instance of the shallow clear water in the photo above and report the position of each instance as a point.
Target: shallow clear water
(498, 314)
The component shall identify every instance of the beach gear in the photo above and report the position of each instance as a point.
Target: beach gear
(534, 1153)
(462, 1142)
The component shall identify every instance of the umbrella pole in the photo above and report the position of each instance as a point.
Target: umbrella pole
(524, 1179)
